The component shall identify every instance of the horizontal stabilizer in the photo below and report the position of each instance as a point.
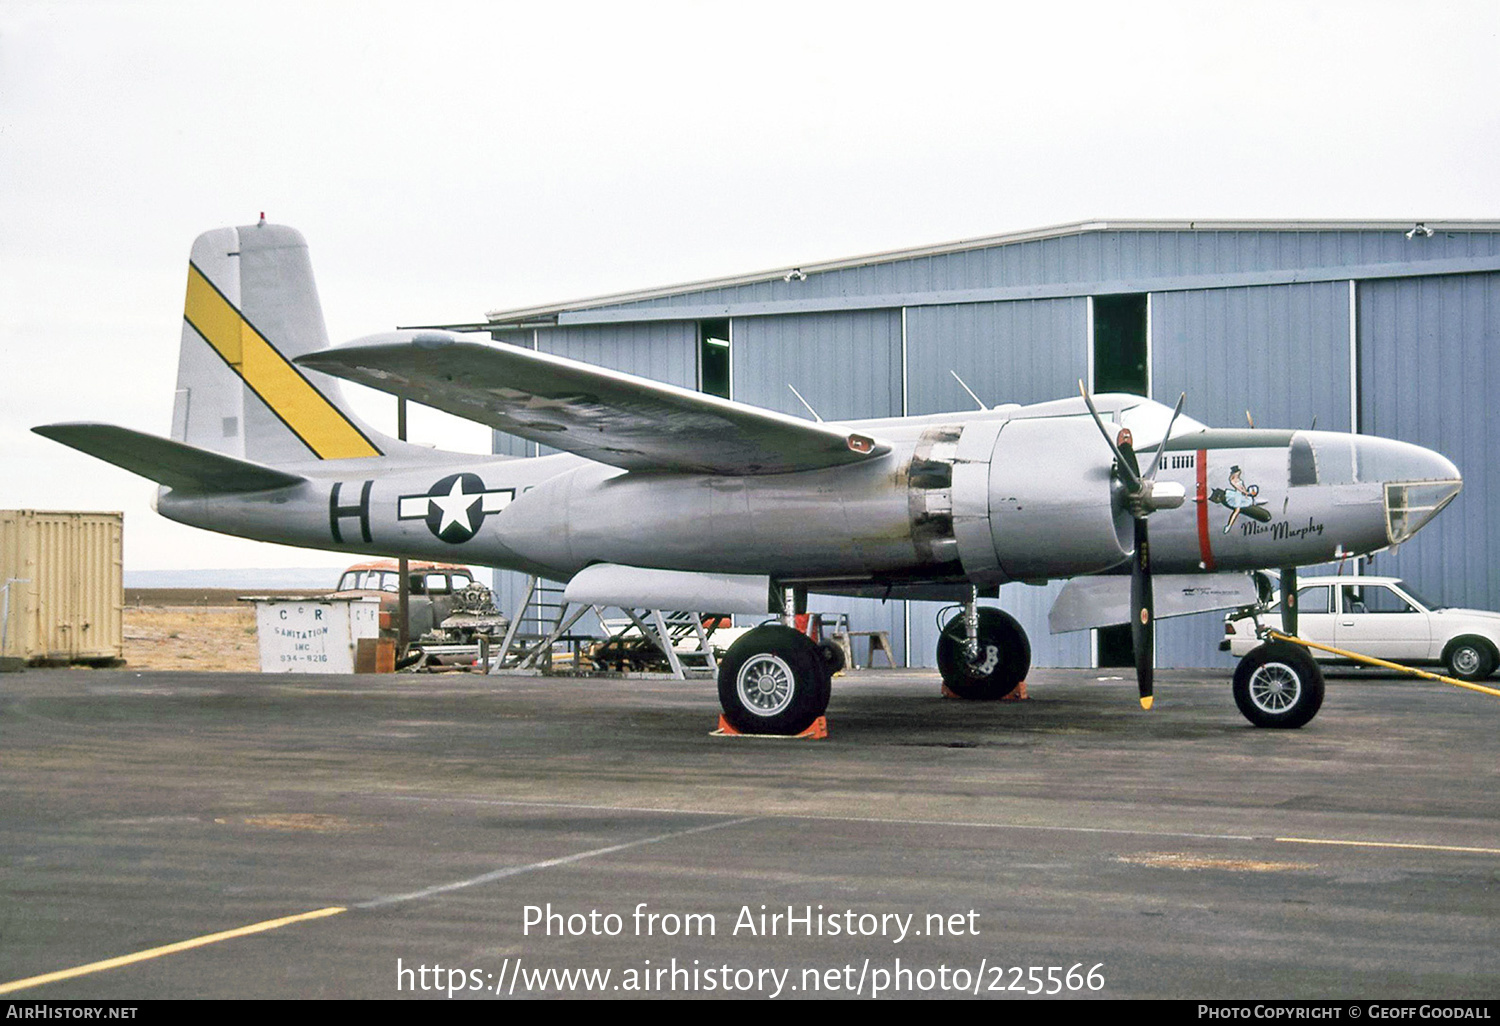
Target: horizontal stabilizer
(1088, 602)
(600, 414)
(177, 465)
(633, 587)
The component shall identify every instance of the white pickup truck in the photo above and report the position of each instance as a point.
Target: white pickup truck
(1382, 617)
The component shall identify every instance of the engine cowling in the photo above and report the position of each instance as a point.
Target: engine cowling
(1035, 499)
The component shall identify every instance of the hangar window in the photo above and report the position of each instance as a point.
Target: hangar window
(713, 357)
(1121, 364)
(1120, 357)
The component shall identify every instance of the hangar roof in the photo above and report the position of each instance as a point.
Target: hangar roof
(677, 301)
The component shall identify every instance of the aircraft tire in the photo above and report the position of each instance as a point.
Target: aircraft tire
(832, 655)
(1470, 659)
(1005, 656)
(773, 681)
(1278, 685)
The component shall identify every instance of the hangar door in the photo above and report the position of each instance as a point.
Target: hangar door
(847, 366)
(1025, 351)
(1429, 373)
(662, 350)
(1278, 351)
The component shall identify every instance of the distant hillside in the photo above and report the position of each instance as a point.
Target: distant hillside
(250, 580)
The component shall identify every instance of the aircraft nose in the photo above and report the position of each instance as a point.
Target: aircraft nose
(1418, 482)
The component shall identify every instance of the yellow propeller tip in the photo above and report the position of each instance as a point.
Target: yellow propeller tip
(1146, 702)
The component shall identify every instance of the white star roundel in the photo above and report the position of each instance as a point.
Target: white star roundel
(455, 507)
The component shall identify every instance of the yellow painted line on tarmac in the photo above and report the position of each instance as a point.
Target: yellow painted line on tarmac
(1389, 844)
(168, 949)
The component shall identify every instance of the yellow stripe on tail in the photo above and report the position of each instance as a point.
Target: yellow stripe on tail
(305, 410)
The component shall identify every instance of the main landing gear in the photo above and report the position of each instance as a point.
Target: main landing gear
(983, 652)
(774, 680)
(777, 680)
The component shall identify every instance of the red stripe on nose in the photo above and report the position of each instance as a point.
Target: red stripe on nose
(1205, 552)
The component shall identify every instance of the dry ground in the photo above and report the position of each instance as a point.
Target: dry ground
(191, 638)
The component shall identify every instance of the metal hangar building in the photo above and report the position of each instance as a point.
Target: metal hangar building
(1383, 327)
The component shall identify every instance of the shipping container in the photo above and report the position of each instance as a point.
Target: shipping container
(62, 589)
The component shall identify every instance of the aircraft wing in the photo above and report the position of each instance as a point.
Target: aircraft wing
(604, 415)
(1104, 601)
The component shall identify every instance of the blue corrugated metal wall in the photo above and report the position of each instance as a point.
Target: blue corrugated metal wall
(1103, 256)
(1430, 374)
(1021, 352)
(848, 366)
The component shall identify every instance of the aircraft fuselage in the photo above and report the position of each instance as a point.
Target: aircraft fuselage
(988, 497)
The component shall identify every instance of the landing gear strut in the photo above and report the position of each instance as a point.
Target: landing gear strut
(983, 652)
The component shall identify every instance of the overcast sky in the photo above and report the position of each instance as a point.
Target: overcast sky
(444, 159)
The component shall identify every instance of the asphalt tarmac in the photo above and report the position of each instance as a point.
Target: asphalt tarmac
(436, 834)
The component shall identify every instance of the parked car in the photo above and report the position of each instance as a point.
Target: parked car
(1385, 618)
(433, 587)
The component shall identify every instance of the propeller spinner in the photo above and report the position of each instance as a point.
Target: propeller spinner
(1143, 496)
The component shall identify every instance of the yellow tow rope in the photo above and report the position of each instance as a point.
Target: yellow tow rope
(1372, 661)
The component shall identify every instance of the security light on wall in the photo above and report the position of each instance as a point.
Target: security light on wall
(795, 274)
(1420, 229)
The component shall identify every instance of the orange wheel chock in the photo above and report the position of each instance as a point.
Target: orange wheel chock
(817, 731)
(1018, 694)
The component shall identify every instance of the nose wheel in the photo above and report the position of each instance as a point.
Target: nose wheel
(1278, 685)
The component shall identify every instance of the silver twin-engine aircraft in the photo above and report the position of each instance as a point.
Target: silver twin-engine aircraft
(661, 497)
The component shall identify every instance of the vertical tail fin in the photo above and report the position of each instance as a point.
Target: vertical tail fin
(252, 307)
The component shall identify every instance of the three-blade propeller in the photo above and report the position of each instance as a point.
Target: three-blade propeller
(1143, 496)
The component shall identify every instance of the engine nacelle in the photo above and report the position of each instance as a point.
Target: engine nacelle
(1035, 499)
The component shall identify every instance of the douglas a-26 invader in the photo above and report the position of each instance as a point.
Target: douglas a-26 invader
(662, 497)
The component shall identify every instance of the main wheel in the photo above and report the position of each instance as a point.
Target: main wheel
(1470, 659)
(1004, 656)
(832, 655)
(773, 681)
(1278, 685)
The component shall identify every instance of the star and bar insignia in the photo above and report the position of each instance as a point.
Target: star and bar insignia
(455, 507)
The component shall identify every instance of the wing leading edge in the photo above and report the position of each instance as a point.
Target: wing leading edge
(603, 415)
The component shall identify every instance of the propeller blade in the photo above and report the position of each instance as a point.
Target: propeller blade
(1289, 600)
(1161, 450)
(1130, 471)
(1142, 612)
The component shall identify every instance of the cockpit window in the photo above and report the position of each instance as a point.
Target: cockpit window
(1304, 465)
(1369, 459)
